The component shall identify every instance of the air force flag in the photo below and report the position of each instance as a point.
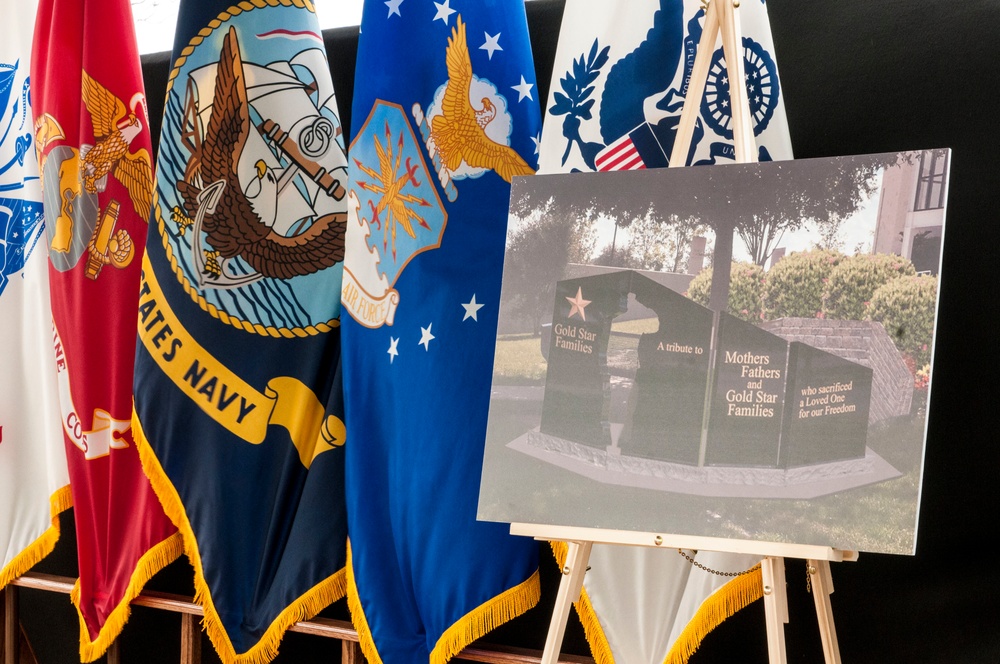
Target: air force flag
(620, 78)
(445, 113)
(237, 384)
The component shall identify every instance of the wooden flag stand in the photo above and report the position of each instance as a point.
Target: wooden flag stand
(720, 17)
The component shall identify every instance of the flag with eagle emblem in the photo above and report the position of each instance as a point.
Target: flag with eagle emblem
(92, 137)
(34, 485)
(237, 385)
(445, 113)
(621, 73)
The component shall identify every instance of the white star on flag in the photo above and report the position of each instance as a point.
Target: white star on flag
(524, 89)
(492, 44)
(443, 11)
(471, 308)
(393, 6)
(579, 304)
(538, 141)
(426, 336)
(393, 352)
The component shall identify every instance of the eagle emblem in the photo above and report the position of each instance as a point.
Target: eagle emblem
(76, 178)
(115, 127)
(233, 185)
(458, 131)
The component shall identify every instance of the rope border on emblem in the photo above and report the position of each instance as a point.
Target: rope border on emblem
(195, 294)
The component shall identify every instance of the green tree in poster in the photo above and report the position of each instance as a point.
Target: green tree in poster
(758, 203)
(538, 250)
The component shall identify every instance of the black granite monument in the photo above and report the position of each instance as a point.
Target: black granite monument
(747, 396)
(826, 413)
(577, 383)
(667, 402)
(771, 404)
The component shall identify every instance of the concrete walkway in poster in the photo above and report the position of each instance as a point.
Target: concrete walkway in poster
(610, 467)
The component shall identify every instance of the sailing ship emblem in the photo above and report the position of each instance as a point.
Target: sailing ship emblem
(237, 209)
(252, 205)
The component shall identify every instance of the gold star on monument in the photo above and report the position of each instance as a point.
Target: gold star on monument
(579, 304)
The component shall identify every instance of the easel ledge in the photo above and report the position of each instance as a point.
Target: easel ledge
(667, 541)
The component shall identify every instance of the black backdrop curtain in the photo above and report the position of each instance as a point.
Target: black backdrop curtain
(859, 77)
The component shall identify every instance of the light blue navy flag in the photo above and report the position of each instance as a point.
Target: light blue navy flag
(237, 387)
(445, 113)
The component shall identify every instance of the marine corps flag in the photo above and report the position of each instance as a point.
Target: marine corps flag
(237, 387)
(34, 486)
(92, 136)
(445, 113)
(620, 77)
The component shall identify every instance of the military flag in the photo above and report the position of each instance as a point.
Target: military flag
(34, 485)
(445, 113)
(619, 81)
(237, 388)
(621, 73)
(92, 135)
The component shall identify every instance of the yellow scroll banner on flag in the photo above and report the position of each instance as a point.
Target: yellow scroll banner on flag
(222, 394)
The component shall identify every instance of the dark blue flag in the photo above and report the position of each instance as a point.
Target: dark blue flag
(238, 401)
(445, 113)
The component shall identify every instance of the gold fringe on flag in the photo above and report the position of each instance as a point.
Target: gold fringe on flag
(723, 603)
(365, 639)
(488, 616)
(59, 502)
(149, 564)
(473, 625)
(305, 607)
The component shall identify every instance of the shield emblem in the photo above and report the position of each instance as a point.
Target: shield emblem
(394, 212)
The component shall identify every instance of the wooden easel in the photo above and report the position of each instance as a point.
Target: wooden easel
(580, 541)
(720, 17)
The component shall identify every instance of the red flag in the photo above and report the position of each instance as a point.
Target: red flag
(92, 136)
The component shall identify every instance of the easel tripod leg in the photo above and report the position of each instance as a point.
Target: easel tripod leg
(574, 569)
(775, 607)
(821, 581)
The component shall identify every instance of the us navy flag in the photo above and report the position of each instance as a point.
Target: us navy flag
(237, 391)
(620, 79)
(445, 113)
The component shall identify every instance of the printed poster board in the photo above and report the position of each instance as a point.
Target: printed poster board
(789, 405)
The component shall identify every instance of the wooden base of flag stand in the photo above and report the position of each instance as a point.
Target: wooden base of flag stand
(580, 541)
(721, 18)
(11, 627)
